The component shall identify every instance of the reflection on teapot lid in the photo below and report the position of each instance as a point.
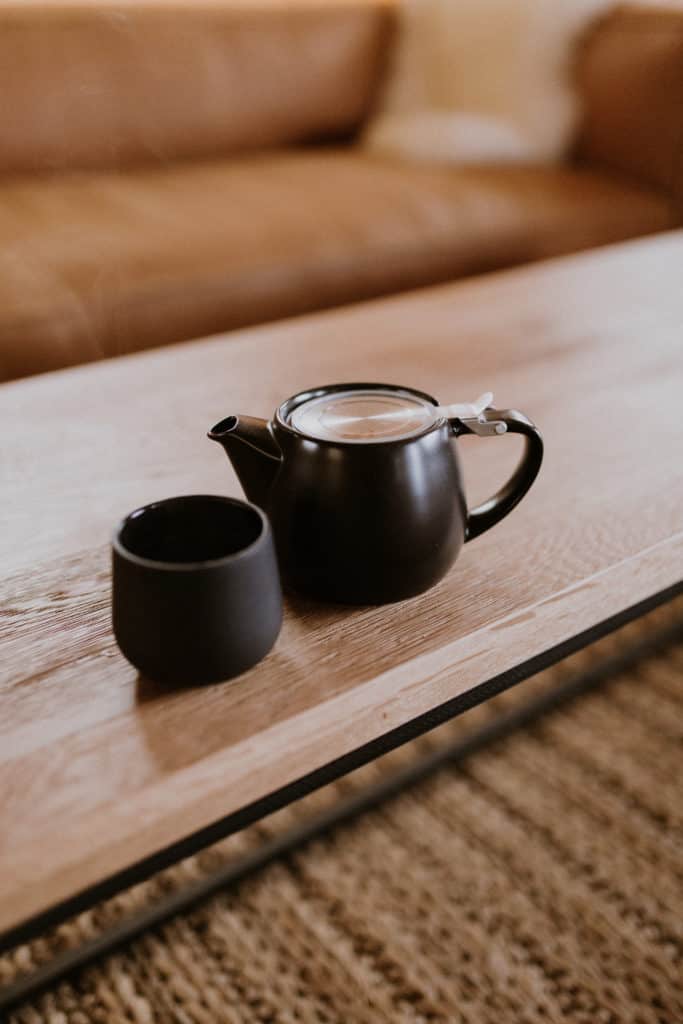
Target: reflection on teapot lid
(364, 416)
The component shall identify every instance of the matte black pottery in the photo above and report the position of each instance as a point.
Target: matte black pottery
(196, 591)
(369, 523)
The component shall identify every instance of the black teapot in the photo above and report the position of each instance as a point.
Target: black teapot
(363, 487)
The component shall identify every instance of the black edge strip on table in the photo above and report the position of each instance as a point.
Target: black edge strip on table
(261, 808)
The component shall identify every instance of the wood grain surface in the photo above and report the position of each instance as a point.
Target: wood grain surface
(99, 767)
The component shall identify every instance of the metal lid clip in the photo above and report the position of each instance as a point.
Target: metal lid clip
(472, 415)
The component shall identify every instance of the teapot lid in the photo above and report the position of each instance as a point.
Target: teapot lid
(373, 414)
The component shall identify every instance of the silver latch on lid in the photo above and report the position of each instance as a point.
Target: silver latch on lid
(472, 415)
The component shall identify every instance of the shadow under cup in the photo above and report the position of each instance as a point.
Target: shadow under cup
(196, 593)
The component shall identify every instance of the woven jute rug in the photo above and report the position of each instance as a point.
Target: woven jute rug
(539, 880)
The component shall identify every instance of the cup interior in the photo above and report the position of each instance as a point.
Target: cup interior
(197, 528)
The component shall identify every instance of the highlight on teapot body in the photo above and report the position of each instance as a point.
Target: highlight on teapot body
(364, 416)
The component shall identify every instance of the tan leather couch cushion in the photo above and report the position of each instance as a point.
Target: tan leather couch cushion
(95, 265)
(630, 74)
(110, 84)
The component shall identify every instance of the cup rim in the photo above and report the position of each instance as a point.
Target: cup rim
(209, 563)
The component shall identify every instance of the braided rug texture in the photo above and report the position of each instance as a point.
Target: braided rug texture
(541, 880)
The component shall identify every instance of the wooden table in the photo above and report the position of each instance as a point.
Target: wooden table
(103, 776)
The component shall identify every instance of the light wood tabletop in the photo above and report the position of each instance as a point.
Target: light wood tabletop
(99, 768)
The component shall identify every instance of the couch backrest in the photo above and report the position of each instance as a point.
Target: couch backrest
(96, 83)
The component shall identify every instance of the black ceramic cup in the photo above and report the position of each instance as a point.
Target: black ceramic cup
(196, 594)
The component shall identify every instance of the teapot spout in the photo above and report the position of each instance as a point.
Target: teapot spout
(253, 452)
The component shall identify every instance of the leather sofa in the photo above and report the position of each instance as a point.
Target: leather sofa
(169, 170)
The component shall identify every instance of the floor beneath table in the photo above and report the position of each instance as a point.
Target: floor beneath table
(537, 881)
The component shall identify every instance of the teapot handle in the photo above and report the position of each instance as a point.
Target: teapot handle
(492, 422)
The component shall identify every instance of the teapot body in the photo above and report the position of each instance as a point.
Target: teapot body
(366, 523)
(363, 487)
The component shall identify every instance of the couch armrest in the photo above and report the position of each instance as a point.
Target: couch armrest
(630, 74)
